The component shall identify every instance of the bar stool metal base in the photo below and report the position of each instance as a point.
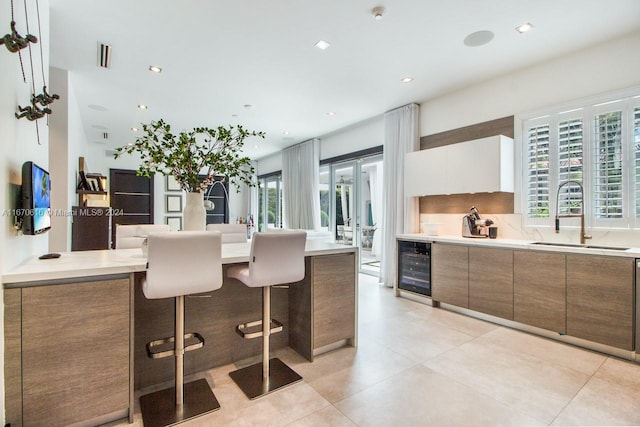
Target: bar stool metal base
(159, 408)
(250, 380)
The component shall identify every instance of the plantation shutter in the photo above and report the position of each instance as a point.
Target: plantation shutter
(608, 196)
(538, 171)
(570, 154)
(636, 149)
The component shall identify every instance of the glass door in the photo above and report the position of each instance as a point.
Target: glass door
(356, 208)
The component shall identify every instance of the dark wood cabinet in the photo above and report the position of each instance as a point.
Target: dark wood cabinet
(90, 228)
(131, 198)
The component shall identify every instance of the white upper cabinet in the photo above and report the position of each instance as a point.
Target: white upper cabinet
(478, 166)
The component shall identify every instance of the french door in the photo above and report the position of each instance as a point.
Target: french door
(356, 209)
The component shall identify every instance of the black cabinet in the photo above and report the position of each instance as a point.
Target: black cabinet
(90, 228)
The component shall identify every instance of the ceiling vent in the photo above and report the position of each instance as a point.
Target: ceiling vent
(104, 55)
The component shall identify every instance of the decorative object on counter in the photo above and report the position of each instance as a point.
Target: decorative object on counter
(217, 151)
(474, 226)
(493, 232)
(195, 215)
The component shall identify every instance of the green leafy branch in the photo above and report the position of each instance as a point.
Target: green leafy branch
(217, 151)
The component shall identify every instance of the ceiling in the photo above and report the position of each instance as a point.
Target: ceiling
(253, 62)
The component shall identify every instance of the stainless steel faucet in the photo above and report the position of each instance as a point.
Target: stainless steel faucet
(583, 235)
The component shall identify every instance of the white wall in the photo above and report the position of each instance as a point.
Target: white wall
(363, 135)
(602, 68)
(19, 144)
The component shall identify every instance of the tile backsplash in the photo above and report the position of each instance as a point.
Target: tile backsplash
(510, 227)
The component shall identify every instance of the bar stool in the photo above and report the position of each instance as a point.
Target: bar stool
(276, 258)
(179, 264)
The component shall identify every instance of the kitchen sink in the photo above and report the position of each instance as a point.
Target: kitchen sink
(576, 245)
(612, 248)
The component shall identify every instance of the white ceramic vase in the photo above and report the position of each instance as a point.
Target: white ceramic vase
(195, 215)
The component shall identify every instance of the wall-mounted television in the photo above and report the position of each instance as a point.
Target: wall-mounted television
(36, 199)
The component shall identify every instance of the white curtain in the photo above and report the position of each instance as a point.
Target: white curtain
(301, 185)
(376, 180)
(400, 213)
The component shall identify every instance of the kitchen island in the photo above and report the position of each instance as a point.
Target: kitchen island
(76, 328)
(586, 295)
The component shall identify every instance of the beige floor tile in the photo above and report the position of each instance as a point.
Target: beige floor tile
(326, 417)
(416, 365)
(569, 356)
(465, 324)
(369, 358)
(276, 409)
(529, 384)
(603, 403)
(418, 341)
(621, 372)
(421, 397)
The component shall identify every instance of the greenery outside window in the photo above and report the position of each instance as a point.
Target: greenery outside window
(597, 145)
(270, 202)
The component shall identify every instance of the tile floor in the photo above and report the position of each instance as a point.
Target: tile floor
(419, 366)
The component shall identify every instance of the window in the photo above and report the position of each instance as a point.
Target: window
(538, 171)
(597, 146)
(270, 202)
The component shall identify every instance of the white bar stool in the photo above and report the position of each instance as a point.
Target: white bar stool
(276, 258)
(179, 264)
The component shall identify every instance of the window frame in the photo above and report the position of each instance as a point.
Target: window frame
(587, 110)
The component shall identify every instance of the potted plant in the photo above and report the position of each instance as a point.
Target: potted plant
(189, 155)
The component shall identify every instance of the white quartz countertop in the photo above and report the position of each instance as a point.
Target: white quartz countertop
(119, 261)
(631, 252)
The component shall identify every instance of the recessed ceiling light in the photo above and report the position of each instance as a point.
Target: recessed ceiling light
(377, 12)
(248, 106)
(407, 79)
(134, 129)
(155, 69)
(234, 115)
(142, 106)
(255, 146)
(286, 132)
(523, 28)
(331, 113)
(322, 44)
(478, 38)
